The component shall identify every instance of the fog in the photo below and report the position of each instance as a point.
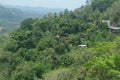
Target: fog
(63, 4)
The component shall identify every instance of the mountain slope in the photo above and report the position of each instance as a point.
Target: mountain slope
(11, 16)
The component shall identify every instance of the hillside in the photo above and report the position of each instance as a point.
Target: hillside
(11, 16)
(71, 45)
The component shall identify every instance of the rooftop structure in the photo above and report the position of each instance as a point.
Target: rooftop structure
(115, 28)
(109, 26)
(81, 45)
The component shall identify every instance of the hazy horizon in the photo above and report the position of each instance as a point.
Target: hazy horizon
(69, 4)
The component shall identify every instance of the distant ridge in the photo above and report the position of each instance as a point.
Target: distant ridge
(40, 10)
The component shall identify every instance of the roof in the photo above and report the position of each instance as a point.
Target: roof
(66, 38)
(81, 45)
(115, 28)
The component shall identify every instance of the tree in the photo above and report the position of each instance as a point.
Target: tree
(96, 4)
(27, 24)
(104, 68)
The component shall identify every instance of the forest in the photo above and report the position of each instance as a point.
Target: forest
(70, 45)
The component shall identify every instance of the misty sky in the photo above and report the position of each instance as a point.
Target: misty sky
(70, 4)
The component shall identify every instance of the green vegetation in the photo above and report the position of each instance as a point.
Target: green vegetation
(48, 48)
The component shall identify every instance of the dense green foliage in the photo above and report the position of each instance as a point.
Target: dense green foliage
(48, 48)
